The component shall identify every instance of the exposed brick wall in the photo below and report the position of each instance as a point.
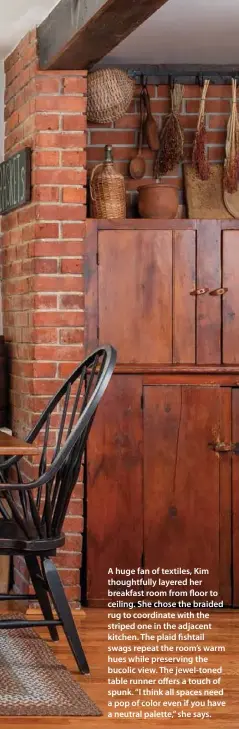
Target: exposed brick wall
(42, 254)
(123, 134)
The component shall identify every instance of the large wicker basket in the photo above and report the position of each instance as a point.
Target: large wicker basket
(110, 92)
(107, 190)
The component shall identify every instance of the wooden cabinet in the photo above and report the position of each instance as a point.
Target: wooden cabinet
(167, 297)
(187, 495)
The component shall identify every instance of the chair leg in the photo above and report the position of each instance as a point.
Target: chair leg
(41, 592)
(64, 613)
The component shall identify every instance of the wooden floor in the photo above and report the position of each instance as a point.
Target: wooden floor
(92, 627)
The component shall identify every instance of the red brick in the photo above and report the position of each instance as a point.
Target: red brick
(188, 122)
(69, 577)
(47, 230)
(61, 103)
(47, 121)
(128, 121)
(73, 593)
(217, 105)
(71, 336)
(13, 138)
(59, 177)
(72, 265)
(46, 387)
(216, 154)
(216, 137)
(192, 91)
(58, 318)
(46, 159)
(160, 106)
(61, 140)
(46, 194)
(47, 84)
(45, 301)
(60, 212)
(46, 265)
(71, 559)
(77, 85)
(217, 121)
(73, 195)
(112, 137)
(219, 91)
(73, 122)
(58, 353)
(57, 248)
(72, 301)
(44, 369)
(44, 335)
(74, 158)
(56, 283)
(73, 230)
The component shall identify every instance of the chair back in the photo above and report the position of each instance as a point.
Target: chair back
(63, 429)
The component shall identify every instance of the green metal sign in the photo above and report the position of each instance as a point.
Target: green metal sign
(15, 181)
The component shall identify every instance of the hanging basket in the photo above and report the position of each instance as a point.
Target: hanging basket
(110, 92)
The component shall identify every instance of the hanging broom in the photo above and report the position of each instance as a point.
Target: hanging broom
(199, 157)
(231, 165)
(171, 138)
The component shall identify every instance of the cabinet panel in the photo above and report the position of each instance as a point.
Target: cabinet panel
(230, 301)
(208, 307)
(183, 524)
(235, 496)
(114, 485)
(135, 294)
(184, 304)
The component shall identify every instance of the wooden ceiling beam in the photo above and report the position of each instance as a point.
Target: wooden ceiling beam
(76, 34)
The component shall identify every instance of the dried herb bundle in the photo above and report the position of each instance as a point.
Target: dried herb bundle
(231, 165)
(199, 157)
(171, 138)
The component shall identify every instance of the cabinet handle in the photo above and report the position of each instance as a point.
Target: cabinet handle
(218, 292)
(199, 292)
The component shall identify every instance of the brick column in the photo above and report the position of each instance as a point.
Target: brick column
(43, 302)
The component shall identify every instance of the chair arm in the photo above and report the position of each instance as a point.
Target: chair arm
(19, 486)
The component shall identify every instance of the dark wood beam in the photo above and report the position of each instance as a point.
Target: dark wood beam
(187, 73)
(78, 34)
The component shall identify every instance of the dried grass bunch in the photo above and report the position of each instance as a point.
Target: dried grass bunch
(231, 165)
(199, 156)
(171, 139)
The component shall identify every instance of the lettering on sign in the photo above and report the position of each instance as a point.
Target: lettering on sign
(15, 181)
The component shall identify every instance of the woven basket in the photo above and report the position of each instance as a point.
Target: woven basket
(110, 92)
(107, 192)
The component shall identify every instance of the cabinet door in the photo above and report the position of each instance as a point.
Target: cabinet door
(235, 497)
(114, 486)
(187, 485)
(144, 305)
(230, 300)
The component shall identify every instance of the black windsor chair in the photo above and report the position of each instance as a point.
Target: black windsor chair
(33, 513)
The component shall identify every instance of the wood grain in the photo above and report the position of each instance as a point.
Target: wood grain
(78, 35)
(91, 288)
(235, 496)
(230, 301)
(182, 480)
(92, 627)
(135, 294)
(208, 307)
(12, 446)
(184, 305)
(114, 485)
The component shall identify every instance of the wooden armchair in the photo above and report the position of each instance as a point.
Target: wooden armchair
(33, 513)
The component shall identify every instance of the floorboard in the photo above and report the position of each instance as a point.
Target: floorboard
(92, 625)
